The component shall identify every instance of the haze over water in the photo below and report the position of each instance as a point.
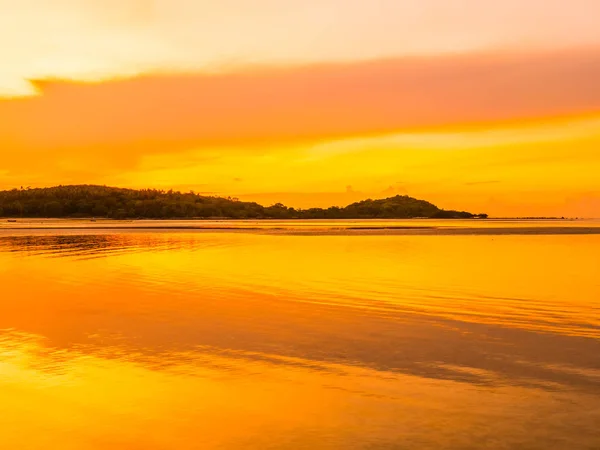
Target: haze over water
(290, 339)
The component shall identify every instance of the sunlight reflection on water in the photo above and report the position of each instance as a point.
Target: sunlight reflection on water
(252, 340)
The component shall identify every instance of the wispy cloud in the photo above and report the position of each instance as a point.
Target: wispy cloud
(102, 39)
(256, 108)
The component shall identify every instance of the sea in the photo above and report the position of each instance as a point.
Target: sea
(373, 334)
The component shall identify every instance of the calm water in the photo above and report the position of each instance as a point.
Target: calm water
(455, 335)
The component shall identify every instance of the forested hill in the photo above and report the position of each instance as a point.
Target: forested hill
(116, 203)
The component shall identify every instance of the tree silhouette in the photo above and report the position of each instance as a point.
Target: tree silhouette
(116, 203)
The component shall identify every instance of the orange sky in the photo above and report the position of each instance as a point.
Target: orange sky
(473, 106)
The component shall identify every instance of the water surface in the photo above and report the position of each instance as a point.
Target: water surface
(362, 335)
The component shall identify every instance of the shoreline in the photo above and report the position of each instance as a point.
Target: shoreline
(325, 231)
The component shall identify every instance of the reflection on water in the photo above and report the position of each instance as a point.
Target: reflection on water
(94, 245)
(244, 340)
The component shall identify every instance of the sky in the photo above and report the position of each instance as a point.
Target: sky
(476, 105)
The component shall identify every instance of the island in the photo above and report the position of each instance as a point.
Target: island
(81, 201)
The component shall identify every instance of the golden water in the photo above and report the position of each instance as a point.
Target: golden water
(186, 339)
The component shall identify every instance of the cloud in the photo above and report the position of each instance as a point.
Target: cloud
(397, 189)
(99, 39)
(122, 119)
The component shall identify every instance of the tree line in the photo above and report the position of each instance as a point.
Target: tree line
(116, 203)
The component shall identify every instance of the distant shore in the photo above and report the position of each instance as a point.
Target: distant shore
(92, 201)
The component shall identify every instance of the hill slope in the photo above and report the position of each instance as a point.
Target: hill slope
(117, 203)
